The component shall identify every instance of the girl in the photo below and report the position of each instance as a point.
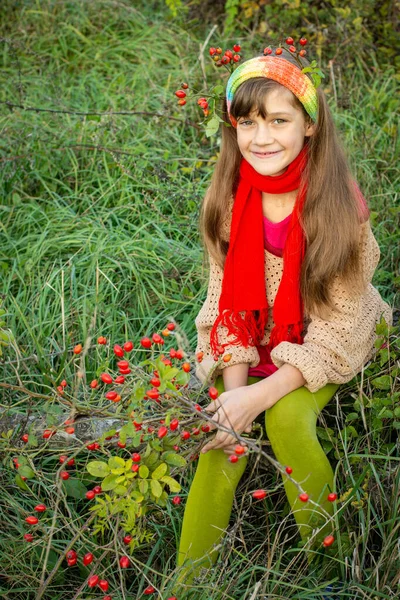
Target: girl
(292, 256)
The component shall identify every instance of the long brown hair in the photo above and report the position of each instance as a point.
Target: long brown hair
(331, 214)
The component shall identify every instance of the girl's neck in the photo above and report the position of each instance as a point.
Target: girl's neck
(279, 201)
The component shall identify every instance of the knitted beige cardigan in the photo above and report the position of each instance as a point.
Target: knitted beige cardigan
(334, 350)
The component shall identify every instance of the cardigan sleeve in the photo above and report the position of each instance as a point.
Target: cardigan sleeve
(204, 322)
(336, 349)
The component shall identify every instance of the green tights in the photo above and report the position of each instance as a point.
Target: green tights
(291, 429)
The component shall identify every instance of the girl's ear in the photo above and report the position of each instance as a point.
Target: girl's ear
(310, 129)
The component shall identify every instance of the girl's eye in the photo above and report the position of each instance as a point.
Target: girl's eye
(245, 122)
(281, 120)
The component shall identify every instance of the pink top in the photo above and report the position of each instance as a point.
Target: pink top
(274, 241)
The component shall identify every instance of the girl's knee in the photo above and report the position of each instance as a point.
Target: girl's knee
(291, 415)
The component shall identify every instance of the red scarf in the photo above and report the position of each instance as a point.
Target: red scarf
(243, 285)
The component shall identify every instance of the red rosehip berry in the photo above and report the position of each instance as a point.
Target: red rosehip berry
(124, 562)
(69, 430)
(268, 50)
(239, 450)
(289, 470)
(111, 395)
(289, 41)
(25, 438)
(102, 340)
(103, 585)
(236, 47)
(259, 494)
(123, 364)
(106, 378)
(120, 379)
(149, 590)
(218, 50)
(48, 433)
(303, 42)
(90, 495)
(233, 458)
(332, 497)
(176, 448)
(135, 468)
(213, 393)
(185, 86)
(125, 371)
(60, 389)
(155, 382)
(292, 49)
(72, 562)
(94, 384)
(185, 435)
(136, 457)
(77, 349)
(195, 431)
(212, 51)
(107, 598)
(87, 559)
(64, 475)
(28, 537)
(328, 541)
(199, 356)
(154, 394)
(174, 424)
(180, 94)
(278, 51)
(127, 539)
(40, 508)
(171, 326)
(181, 102)
(90, 446)
(97, 489)
(128, 346)
(236, 58)
(63, 383)
(179, 354)
(145, 342)
(93, 581)
(96, 445)
(162, 432)
(118, 351)
(228, 53)
(71, 554)
(186, 367)
(176, 500)
(32, 520)
(205, 428)
(302, 52)
(157, 339)
(304, 497)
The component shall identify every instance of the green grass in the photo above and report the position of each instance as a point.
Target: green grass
(99, 236)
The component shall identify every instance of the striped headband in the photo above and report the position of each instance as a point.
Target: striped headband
(280, 70)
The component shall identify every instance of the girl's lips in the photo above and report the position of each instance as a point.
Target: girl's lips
(266, 154)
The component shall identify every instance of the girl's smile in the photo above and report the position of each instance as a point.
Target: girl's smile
(271, 144)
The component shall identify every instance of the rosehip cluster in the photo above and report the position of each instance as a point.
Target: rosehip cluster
(292, 49)
(229, 56)
(181, 94)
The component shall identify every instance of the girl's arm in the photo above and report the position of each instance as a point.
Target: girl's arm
(235, 376)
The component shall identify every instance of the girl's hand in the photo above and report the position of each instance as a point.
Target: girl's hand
(235, 410)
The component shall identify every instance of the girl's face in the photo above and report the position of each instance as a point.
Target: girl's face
(271, 144)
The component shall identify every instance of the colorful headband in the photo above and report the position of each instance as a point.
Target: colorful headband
(280, 70)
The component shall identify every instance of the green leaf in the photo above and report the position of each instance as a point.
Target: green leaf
(171, 373)
(21, 483)
(349, 432)
(109, 483)
(143, 471)
(26, 471)
(156, 488)
(137, 496)
(217, 90)
(173, 485)
(212, 126)
(126, 431)
(75, 488)
(352, 416)
(120, 490)
(382, 383)
(160, 471)
(144, 486)
(98, 468)
(175, 460)
(115, 462)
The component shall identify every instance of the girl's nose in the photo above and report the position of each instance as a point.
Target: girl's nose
(263, 134)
